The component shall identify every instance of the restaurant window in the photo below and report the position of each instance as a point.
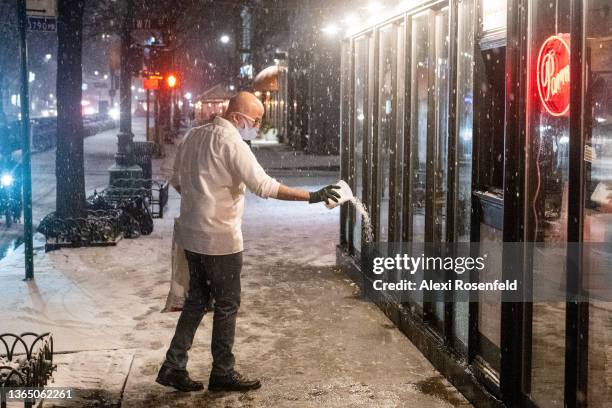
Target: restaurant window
(359, 129)
(488, 172)
(386, 121)
(547, 189)
(419, 124)
(370, 152)
(439, 149)
(419, 106)
(463, 159)
(597, 212)
(345, 150)
(400, 165)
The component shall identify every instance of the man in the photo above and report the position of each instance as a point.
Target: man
(212, 167)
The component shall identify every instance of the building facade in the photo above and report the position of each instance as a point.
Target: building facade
(476, 121)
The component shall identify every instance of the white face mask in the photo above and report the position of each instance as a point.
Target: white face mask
(247, 132)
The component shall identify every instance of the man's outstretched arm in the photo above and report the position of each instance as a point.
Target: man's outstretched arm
(297, 194)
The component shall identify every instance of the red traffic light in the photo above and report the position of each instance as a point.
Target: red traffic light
(172, 80)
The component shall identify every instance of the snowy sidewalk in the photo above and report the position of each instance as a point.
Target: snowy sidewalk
(302, 327)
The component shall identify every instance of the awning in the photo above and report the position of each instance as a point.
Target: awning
(217, 93)
(266, 80)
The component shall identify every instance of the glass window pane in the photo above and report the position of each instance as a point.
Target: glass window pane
(386, 111)
(598, 189)
(440, 149)
(419, 125)
(399, 132)
(361, 75)
(440, 141)
(419, 96)
(345, 150)
(463, 171)
(547, 181)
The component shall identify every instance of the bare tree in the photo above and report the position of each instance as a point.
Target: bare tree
(69, 165)
(10, 58)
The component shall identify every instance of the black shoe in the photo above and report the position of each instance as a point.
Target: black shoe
(232, 382)
(178, 379)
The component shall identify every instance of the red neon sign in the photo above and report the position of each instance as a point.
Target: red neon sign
(553, 75)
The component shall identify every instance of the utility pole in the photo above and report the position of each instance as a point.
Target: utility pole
(26, 163)
(125, 166)
(148, 109)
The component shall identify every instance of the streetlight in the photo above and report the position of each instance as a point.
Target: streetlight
(171, 81)
(330, 29)
(224, 39)
(48, 57)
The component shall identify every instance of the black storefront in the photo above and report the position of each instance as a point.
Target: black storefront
(457, 127)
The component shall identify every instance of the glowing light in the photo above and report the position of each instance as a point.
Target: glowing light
(171, 80)
(188, 96)
(224, 39)
(553, 75)
(113, 113)
(232, 87)
(6, 180)
(330, 29)
(84, 102)
(48, 57)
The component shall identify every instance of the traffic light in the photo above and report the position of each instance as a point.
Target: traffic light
(172, 81)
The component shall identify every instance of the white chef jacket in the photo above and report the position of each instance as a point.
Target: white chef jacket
(212, 167)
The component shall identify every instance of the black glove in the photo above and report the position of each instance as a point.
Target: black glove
(324, 194)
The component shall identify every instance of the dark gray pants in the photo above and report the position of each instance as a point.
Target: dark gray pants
(216, 277)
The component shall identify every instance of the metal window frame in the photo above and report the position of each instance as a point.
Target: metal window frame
(576, 313)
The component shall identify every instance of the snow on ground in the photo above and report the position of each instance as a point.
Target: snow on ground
(302, 327)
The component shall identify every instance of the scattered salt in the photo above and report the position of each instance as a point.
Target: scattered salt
(365, 216)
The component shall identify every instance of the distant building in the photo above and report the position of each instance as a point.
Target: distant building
(288, 41)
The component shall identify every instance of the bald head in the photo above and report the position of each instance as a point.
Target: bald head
(244, 103)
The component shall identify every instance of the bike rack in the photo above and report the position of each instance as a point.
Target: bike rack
(125, 209)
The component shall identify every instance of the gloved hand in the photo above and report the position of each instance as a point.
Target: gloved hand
(325, 194)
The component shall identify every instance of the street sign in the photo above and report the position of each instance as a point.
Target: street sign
(139, 23)
(151, 74)
(47, 24)
(42, 15)
(150, 84)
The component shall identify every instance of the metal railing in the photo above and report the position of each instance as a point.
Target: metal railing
(26, 360)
